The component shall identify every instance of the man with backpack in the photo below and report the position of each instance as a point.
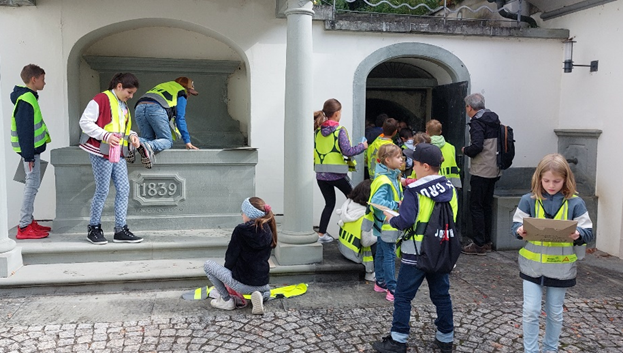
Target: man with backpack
(429, 249)
(484, 127)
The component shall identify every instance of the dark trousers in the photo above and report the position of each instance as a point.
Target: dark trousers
(327, 188)
(481, 207)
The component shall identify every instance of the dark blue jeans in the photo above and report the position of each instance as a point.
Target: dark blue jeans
(409, 281)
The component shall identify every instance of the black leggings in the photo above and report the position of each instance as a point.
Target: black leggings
(328, 192)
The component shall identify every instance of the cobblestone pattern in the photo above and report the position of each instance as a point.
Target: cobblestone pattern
(591, 325)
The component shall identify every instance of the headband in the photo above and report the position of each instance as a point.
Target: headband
(250, 211)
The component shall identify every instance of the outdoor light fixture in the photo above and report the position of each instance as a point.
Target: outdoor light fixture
(568, 63)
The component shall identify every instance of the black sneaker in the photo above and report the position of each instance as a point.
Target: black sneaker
(125, 236)
(445, 347)
(388, 345)
(96, 235)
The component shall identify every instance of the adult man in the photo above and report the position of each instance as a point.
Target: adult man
(484, 171)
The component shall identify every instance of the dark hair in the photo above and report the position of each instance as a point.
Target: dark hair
(361, 193)
(390, 126)
(380, 119)
(268, 218)
(405, 132)
(330, 107)
(29, 71)
(127, 80)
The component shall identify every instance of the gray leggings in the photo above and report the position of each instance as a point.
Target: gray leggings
(221, 277)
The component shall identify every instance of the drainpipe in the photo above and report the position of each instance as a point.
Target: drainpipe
(501, 3)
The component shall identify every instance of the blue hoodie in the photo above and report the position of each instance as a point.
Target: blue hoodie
(384, 196)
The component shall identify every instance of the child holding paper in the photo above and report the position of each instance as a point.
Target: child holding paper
(548, 265)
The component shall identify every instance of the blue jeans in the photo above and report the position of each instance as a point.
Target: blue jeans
(554, 300)
(31, 187)
(409, 281)
(153, 121)
(385, 264)
(103, 172)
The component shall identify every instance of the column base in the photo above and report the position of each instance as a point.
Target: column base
(298, 254)
(10, 262)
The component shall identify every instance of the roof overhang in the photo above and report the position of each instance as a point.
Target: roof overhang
(556, 8)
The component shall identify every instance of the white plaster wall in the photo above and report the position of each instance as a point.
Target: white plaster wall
(593, 101)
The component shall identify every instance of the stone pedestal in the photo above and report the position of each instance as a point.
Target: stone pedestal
(10, 261)
(185, 189)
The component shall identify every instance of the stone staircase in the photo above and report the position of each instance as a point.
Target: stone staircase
(68, 263)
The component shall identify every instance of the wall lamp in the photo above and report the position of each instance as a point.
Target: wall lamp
(568, 63)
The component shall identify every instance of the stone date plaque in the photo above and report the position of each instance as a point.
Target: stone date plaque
(154, 189)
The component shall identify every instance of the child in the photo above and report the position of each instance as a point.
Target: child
(354, 244)
(546, 265)
(390, 127)
(385, 191)
(29, 136)
(419, 137)
(449, 168)
(331, 146)
(426, 162)
(106, 124)
(246, 267)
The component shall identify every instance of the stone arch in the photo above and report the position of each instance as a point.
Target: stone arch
(88, 39)
(449, 63)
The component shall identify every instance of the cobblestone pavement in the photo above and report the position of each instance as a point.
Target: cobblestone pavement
(331, 317)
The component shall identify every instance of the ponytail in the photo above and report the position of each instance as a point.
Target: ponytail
(319, 118)
(268, 218)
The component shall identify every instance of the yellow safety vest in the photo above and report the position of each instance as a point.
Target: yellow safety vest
(550, 259)
(387, 231)
(166, 95)
(42, 136)
(118, 124)
(328, 156)
(350, 245)
(372, 151)
(449, 167)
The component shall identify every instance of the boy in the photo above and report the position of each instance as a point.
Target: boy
(390, 127)
(449, 167)
(29, 136)
(426, 162)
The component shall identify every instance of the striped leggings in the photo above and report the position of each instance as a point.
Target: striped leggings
(103, 172)
(220, 277)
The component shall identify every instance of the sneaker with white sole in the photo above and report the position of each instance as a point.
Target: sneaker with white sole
(147, 155)
(125, 236)
(325, 238)
(96, 235)
(219, 303)
(257, 300)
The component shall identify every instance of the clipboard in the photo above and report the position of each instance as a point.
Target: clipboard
(554, 230)
(385, 209)
(20, 174)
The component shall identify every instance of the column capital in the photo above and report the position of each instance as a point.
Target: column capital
(295, 7)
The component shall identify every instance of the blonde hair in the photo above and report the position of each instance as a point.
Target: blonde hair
(557, 164)
(421, 137)
(433, 127)
(388, 150)
(319, 118)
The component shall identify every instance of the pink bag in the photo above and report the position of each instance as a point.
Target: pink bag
(114, 152)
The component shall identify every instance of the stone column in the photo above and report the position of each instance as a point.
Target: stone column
(297, 240)
(10, 255)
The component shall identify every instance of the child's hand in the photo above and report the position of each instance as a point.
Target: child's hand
(403, 181)
(388, 216)
(575, 236)
(522, 233)
(365, 144)
(113, 140)
(135, 141)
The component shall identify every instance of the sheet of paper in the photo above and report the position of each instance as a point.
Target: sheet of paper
(383, 208)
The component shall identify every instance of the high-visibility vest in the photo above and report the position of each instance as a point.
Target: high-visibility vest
(350, 245)
(117, 124)
(551, 259)
(372, 151)
(42, 136)
(412, 244)
(166, 95)
(328, 156)
(449, 167)
(388, 233)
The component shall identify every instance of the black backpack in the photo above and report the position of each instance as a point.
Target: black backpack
(506, 145)
(441, 245)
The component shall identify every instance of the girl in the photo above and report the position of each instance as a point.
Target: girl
(354, 244)
(246, 259)
(106, 124)
(331, 145)
(385, 191)
(548, 265)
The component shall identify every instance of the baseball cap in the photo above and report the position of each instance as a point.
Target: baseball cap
(426, 153)
(188, 84)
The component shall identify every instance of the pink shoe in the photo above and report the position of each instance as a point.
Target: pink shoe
(379, 289)
(390, 296)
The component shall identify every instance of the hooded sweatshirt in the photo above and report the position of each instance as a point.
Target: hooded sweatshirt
(25, 123)
(384, 195)
(326, 129)
(248, 253)
(483, 132)
(440, 141)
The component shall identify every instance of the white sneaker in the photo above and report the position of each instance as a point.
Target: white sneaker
(219, 303)
(258, 303)
(370, 276)
(325, 238)
(214, 294)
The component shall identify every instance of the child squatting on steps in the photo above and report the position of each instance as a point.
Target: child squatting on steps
(549, 266)
(246, 269)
